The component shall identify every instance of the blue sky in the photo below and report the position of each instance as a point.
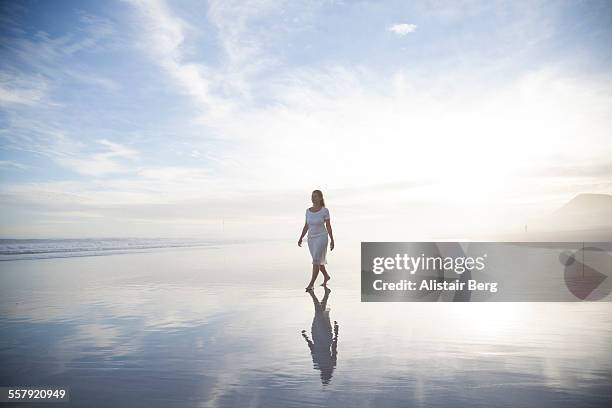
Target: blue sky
(153, 118)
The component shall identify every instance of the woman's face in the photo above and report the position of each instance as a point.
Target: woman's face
(316, 198)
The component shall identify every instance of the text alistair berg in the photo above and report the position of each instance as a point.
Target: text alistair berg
(413, 264)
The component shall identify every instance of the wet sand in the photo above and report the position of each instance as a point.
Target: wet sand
(232, 326)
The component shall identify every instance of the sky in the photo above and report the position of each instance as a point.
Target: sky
(217, 119)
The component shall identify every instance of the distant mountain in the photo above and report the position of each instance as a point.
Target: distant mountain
(586, 217)
(585, 211)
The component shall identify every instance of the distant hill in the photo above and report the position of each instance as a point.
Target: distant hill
(586, 217)
(585, 211)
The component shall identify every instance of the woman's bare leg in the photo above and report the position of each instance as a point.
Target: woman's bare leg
(315, 273)
(326, 276)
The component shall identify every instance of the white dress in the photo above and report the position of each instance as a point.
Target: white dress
(317, 235)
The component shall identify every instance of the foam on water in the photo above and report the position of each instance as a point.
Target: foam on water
(15, 249)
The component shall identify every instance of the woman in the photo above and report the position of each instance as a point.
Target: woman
(317, 219)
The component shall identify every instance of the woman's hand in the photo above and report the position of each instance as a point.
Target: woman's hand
(331, 245)
(300, 242)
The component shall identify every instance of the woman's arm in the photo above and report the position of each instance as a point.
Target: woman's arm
(304, 230)
(331, 234)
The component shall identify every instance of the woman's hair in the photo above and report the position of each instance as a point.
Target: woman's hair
(321, 194)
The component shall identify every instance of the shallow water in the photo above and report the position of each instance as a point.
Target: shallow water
(222, 326)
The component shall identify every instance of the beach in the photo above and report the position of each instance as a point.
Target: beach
(226, 325)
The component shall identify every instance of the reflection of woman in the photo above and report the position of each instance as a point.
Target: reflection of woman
(317, 219)
(324, 344)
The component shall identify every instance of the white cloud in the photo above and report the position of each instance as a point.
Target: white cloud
(164, 39)
(402, 28)
(17, 89)
(8, 164)
(71, 154)
(466, 153)
(244, 46)
(220, 91)
(117, 150)
(48, 61)
(92, 79)
(20, 96)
